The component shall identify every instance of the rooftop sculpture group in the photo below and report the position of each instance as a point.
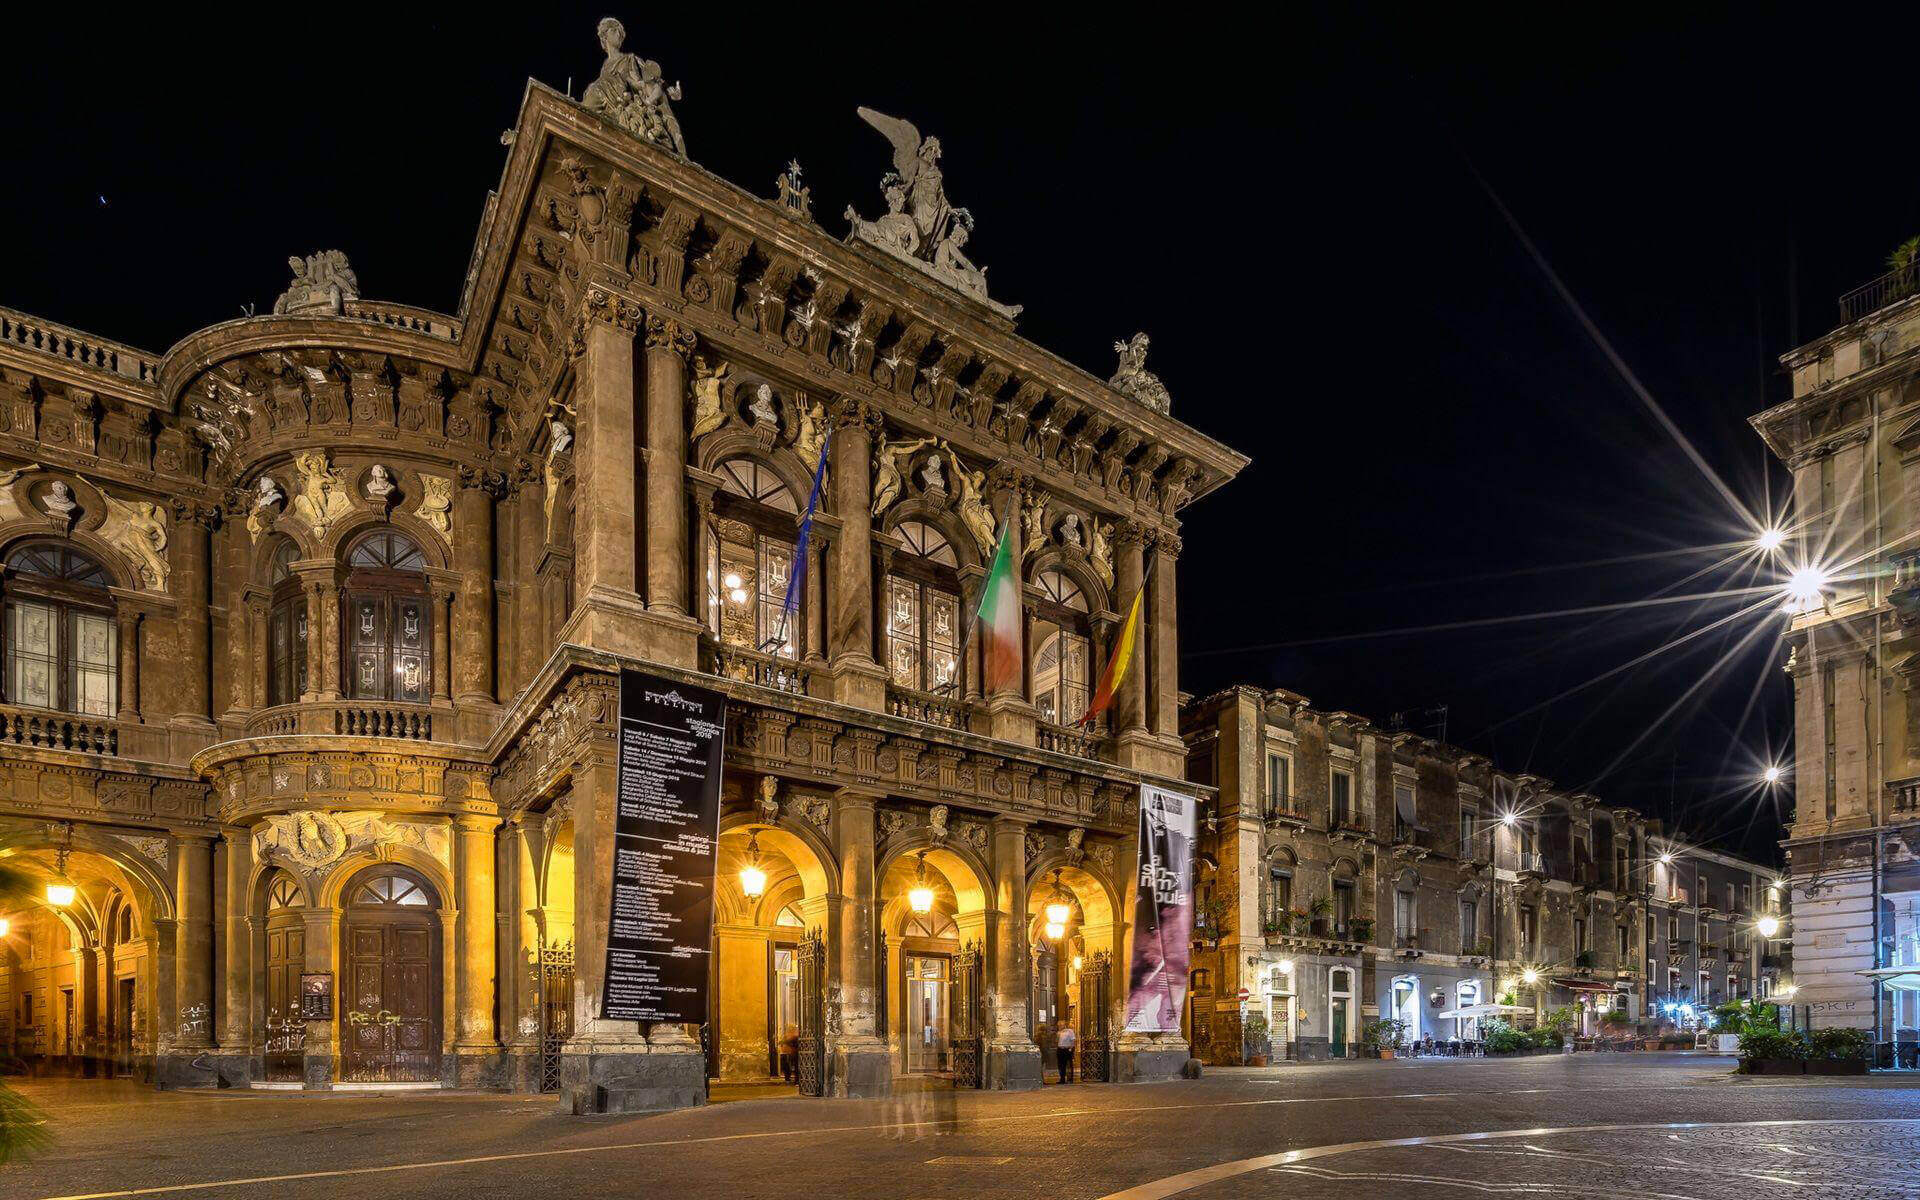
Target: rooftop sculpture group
(632, 93)
(921, 226)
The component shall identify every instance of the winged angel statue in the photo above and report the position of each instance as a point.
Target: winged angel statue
(921, 225)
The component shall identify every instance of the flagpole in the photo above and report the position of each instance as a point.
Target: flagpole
(973, 609)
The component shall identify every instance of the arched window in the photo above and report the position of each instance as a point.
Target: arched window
(1063, 658)
(789, 916)
(931, 925)
(923, 611)
(388, 890)
(286, 629)
(283, 892)
(751, 561)
(62, 647)
(388, 639)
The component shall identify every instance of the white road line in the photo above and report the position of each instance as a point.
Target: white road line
(1173, 1185)
(1051, 1114)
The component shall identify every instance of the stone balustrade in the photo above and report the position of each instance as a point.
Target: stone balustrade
(748, 666)
(346, 718)
(57, 341)
(1064, 739)
(46, 730)
(926, 707)
(403, 316)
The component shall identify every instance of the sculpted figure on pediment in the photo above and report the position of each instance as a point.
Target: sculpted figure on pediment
(633, 94)
(321, 498)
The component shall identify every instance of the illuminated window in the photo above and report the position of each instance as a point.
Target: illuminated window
(62, 645)
(387, 632)
(750, 563)
(923, 611)
(1062, 662)
(286, 629)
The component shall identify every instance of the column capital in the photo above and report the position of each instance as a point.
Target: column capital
(667, 334)
(601, 306)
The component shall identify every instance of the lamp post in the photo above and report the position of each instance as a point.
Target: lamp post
(753, 876)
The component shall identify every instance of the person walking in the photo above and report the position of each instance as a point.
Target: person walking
(1063, 1051)
(790, 1054)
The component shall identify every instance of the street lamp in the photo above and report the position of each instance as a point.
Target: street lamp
(753, 877)
(1772, 774)
(1768, 926)
(920, 898)
(1769, 539)
(1530, 977)
(5, 926)
(1059, 910)
(60, 890)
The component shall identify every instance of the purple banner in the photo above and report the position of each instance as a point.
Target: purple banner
(1162, 912)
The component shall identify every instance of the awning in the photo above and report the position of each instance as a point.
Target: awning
(1470, 1011)
(1583, 985)
(1900, 979)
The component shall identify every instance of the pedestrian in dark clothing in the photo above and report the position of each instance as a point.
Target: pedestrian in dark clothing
(1063, 1051)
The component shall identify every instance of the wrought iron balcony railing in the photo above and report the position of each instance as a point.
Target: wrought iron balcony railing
(1872, 297)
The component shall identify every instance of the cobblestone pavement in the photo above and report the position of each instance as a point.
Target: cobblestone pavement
(1559, 1123)
(1867, 1160)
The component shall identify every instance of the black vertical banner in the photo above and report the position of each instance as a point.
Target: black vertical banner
(666, 825)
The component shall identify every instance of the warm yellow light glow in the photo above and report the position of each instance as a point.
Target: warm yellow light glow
(753, 881)
(920, 899)
(1055, 931)
(1768, 926)
(1076, 958)
(60, 894)
(737, 595)
(1788, 991)
(1530, 977)
(1770, 539)
(1058, 912)
(732, 581)
(5, 926)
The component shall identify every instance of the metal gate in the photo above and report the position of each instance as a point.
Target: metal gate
(968, 1043)
(811, 959)
(1095, 983)
(556, 1010)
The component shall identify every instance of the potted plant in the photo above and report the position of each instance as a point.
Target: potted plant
(1773, 1052)
(1360, 929)
(1378, 1038)
(1321, 909)
(1256, 1040)
(1277, 925)
(1837, 1052)
(1501, 1037)
(1210, 919)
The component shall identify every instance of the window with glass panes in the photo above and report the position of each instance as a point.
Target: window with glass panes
(1279, 893)
(1062, 665)
(923, 611)
(286, 630)
(61, 644)
(1342, 797)
(1342, 902)
(1279, 772)
(1528, 929)
(750, 564)
(1403, 914)
(388, 634)
(1469, 926)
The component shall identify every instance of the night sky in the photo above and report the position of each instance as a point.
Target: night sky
(1301, 215)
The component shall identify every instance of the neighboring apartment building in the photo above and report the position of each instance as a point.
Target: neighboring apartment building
(1850, 434)
(1358, 873)
(1708, 922)
(314, 627)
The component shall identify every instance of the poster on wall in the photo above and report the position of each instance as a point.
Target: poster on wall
(1162, 912)
(666, 825)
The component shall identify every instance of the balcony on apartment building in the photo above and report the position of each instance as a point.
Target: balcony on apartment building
(1284, 812)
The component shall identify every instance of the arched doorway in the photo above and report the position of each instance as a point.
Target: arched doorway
(390, 1023)
(771, 891)
(933, 918)
(286, 1041)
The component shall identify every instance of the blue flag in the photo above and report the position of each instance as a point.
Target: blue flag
(797, 578)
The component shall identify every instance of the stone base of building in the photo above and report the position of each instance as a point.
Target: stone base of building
(475, 1068)
(1149, 1064)
(185, 1069)
(233, 1070)
(1014, 1068)
(860, 1071)
(317, 1072)
(631, 1080)
(520, 1070)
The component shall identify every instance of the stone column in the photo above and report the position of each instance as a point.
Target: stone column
(857, 678)
(236, 1031)
(530, 541)
(320, 930)
(193, 962)
(475, 1041)
(1013, 1060)
(520, 937)
(86, 1005)
(860, 1064)
(473, 648)
(129, 683)
(608, 1066)
(190, 690)
(235, 628)
(668, 345)
(1164, 645)
(250, 614)
(327, 636)
(702, 492)
(442, 598)
(608, 613)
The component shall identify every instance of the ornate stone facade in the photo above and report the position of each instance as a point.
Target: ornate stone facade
(355, 581)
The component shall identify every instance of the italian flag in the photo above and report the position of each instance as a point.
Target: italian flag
(1116, 665)
(999, 618)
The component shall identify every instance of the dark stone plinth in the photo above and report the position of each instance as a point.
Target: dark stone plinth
(1013, 1068)
(1149, 1064)
(316, 1072)
(614, 1082)
(176, 1069)
(860, 1073)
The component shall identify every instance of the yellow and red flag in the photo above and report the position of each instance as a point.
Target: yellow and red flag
(1117, 664)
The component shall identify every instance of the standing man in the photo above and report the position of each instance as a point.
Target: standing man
(1063, 1049)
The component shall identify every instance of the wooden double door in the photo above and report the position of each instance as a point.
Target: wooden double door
(390, 1024)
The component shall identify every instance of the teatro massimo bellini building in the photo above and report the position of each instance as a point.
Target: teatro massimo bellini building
(313, 625)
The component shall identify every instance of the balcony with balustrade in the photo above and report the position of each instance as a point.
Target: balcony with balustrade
(1284, 813)
(353, 718)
